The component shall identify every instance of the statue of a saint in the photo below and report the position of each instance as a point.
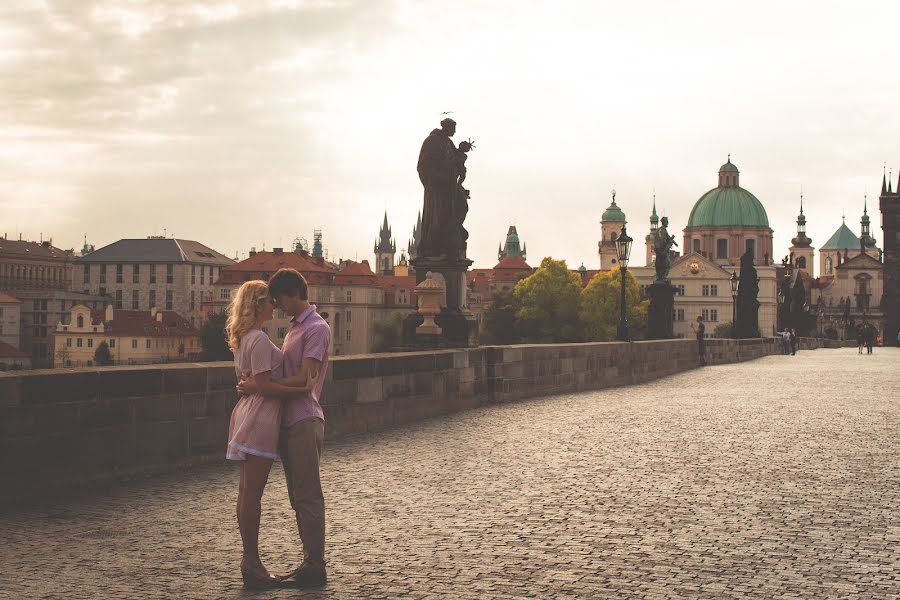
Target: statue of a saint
(662, 244)
(440, 166)
(747, 325)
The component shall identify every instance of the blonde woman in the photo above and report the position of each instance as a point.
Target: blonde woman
(256, 419)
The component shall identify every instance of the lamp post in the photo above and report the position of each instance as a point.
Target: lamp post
(734, 286)
(623, 248)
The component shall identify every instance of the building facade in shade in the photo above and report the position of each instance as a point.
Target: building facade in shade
(156, 272)
(349, 295)
(727, 221)
(703, 288)
(889, 203)
(611, 223)
(28, 265)
(10, 316)
(134, 337)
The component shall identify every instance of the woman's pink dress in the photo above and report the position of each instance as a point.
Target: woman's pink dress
(255, 420)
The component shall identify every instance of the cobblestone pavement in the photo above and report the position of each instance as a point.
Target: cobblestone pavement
(774, 478)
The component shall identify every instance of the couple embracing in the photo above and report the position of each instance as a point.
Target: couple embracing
(278, 415)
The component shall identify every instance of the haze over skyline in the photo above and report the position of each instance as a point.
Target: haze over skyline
(245, 123)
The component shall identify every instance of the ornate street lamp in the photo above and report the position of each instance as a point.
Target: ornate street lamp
(623, 248)
(734, 286)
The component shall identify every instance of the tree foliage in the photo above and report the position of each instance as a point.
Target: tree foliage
(388, 333)
(102, 355)
(500, 319)
(212, 338)
(599, 307)
(548, 304)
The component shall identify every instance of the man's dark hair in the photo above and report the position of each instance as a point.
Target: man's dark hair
(288, 282)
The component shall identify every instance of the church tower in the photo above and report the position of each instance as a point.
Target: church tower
(385, 248)
(651, 237)
(889, 203)
(865, 236)
(512, 247)
(801, 246)
(611, 223)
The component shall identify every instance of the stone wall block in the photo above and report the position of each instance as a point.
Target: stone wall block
(339, 392)
(56, 418)
(208, 435)
(220, 376)
(101, 451)
(393, 364)
(353, 368)
(161, 443)
(16, 422)
(369, 390)
(184, 379)
(40, 387)
(460, 360)
(396, 386)
(119, 382)
(106, 413)
(193, 406)
(221, 402)
(155, 409)
(10, 390)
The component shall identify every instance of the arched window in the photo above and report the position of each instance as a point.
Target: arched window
(696, 246)
(801, 262)
(385, 264)
(80, 321)
(721, 248)
(828, 265)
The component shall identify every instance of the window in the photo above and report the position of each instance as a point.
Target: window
(133, 344)
(828, 265)
(225, 294)
(193, 299)
(152, 298)
(696, 245)
(680, 314)
(135, 273)
(202, 275)
(282, 331)
(102, 273)
(169, 300)
(79, 321)
(714, 290)
(78, 342)
(713, 314)
(266, 330)
(349, 295)
(193, 274)
(119, 299)
(679, 290)
(750, 246)
(112, 343)
(801, 262)
(721, 248)
(706, 314)
(87, 274)
(135, 302)
(147, 343)
(152, 273)
(102, 291)
(705, 290)
(90, 342)
(349, 335)
(119, 270)
(349, 316)
(170, 276)
(68, 342)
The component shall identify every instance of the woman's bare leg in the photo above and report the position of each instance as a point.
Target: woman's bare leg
(254, 475)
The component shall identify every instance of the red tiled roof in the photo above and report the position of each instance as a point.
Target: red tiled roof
(262, 265)
(355, 273)
(35, 250)
(397, 281)
(512, 262)
(141, 323)
(7, 351)
(7, 299)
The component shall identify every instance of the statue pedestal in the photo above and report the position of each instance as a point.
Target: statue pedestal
(659, 316)
(455, 322)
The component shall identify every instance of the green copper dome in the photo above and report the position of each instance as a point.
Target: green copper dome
(728, 207)
(842, 239)
(728, 167)
(613, 213)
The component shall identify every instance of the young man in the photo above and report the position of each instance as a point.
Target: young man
(305, 352)
(700, 331)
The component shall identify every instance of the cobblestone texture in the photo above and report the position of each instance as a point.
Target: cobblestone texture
(774, 478)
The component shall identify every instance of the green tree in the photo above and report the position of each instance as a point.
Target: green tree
(212, 338)
(102, 355)
(388, 333)
(500, 319)
(599, 307)
(548, 304)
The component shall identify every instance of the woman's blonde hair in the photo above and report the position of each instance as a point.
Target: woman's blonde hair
(243, 310)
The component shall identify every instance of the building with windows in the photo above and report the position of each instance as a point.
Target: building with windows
(727, 221)
(134, 337)
(156, 272)
(10, 355)
(28, 265)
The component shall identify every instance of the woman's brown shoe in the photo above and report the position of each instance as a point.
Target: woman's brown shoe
(256, 577)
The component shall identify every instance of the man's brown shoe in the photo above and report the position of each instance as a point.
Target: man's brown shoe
(307, 575)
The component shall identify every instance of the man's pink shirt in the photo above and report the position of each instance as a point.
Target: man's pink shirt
(308, 337)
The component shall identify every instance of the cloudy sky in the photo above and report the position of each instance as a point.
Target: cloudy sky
(250, 122)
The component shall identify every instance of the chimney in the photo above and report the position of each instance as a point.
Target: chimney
(45, 244)
(252, 252)
(278, 251)
(109, 313)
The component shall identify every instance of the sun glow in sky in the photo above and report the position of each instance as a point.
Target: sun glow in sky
(248, 123)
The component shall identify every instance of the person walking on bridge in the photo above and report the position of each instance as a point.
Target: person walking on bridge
(700, 332)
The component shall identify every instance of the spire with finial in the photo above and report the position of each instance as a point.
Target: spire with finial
(865, 233)
(801, 241)
(654, 218)
(385, 242)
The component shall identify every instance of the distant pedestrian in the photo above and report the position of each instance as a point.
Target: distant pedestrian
(785, 341)
(870, 339)
(860, 339)
(793, 341)
(700, 331)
